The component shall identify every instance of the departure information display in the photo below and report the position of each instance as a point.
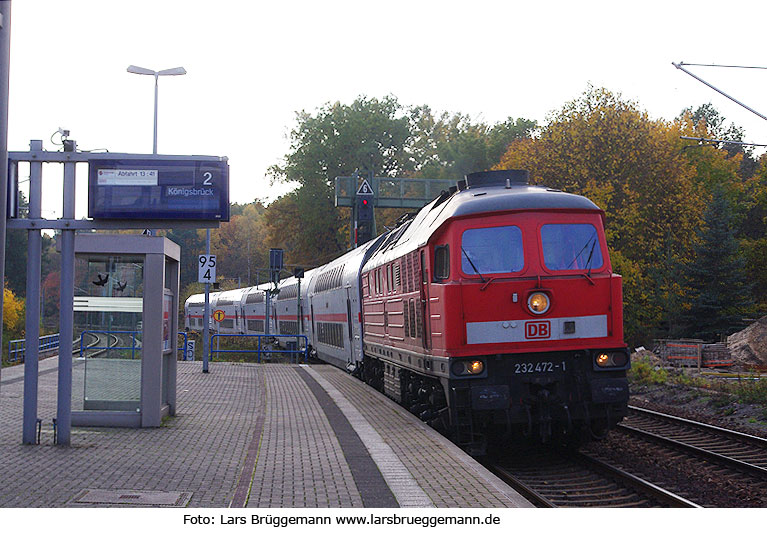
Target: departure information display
(159, 189)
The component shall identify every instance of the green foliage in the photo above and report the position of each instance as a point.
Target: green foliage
(643, 372)
(451, 146)
(751, 391)
(718, 293)
(721, 400)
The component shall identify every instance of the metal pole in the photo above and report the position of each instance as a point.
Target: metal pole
(32, 325)
(300, 324)
(5, 60)
(154, 137)
(66, 310)
(267, 329)
(154, 142)
(206, 314)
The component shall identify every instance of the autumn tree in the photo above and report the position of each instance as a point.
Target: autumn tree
(715, 126)
(239, 244)
(192, 243)
(752, 233)
(13, 314)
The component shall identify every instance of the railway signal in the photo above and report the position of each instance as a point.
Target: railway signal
(364, 216)
(382, 193)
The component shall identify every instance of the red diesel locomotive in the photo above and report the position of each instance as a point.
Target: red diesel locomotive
(495, 313)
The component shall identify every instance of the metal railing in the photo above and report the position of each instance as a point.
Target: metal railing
(17, 348)
(182, 348)
(295, 352)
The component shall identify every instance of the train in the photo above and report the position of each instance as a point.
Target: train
(493, 314)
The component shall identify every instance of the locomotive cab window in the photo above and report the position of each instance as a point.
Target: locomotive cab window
(442, 262)
(492, 250)
(571, 247)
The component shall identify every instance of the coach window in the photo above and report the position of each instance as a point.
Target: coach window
(492, 250)
(442, 262)
(571, 247)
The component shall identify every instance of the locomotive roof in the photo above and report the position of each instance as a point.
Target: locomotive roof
(471, 200)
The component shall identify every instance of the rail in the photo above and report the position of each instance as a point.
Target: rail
(736, 450)
(552, 479)
(84, 349)
(295, 351)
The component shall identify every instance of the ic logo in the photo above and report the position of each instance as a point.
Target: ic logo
(538, 330)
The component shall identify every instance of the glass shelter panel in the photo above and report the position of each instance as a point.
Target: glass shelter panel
(107, 325)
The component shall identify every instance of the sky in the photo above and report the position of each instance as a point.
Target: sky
(252, 65)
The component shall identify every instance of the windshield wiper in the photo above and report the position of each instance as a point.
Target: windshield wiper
(588, 264)
(588, 261)
(593, 237)
(472, 265)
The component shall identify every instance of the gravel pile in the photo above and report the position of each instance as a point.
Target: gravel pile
(749, 346)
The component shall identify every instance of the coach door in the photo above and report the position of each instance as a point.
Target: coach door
(311, 311)
(355, 327)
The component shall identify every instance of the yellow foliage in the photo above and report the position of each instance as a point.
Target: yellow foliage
(13, 312)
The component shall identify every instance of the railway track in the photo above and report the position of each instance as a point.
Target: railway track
(552, 479)
(732, 449)
(96, 339)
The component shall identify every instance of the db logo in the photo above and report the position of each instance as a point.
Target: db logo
(538, 330)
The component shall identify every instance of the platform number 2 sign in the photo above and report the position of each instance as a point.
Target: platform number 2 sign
(206, 269)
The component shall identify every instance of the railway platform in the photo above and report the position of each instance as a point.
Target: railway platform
(245, 435)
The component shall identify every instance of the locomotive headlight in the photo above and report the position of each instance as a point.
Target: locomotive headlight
(538, 303)
(468, 368)
(611, 359)
(475, 367)
(603, 360)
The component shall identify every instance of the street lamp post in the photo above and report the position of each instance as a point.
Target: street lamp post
(178, 71)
